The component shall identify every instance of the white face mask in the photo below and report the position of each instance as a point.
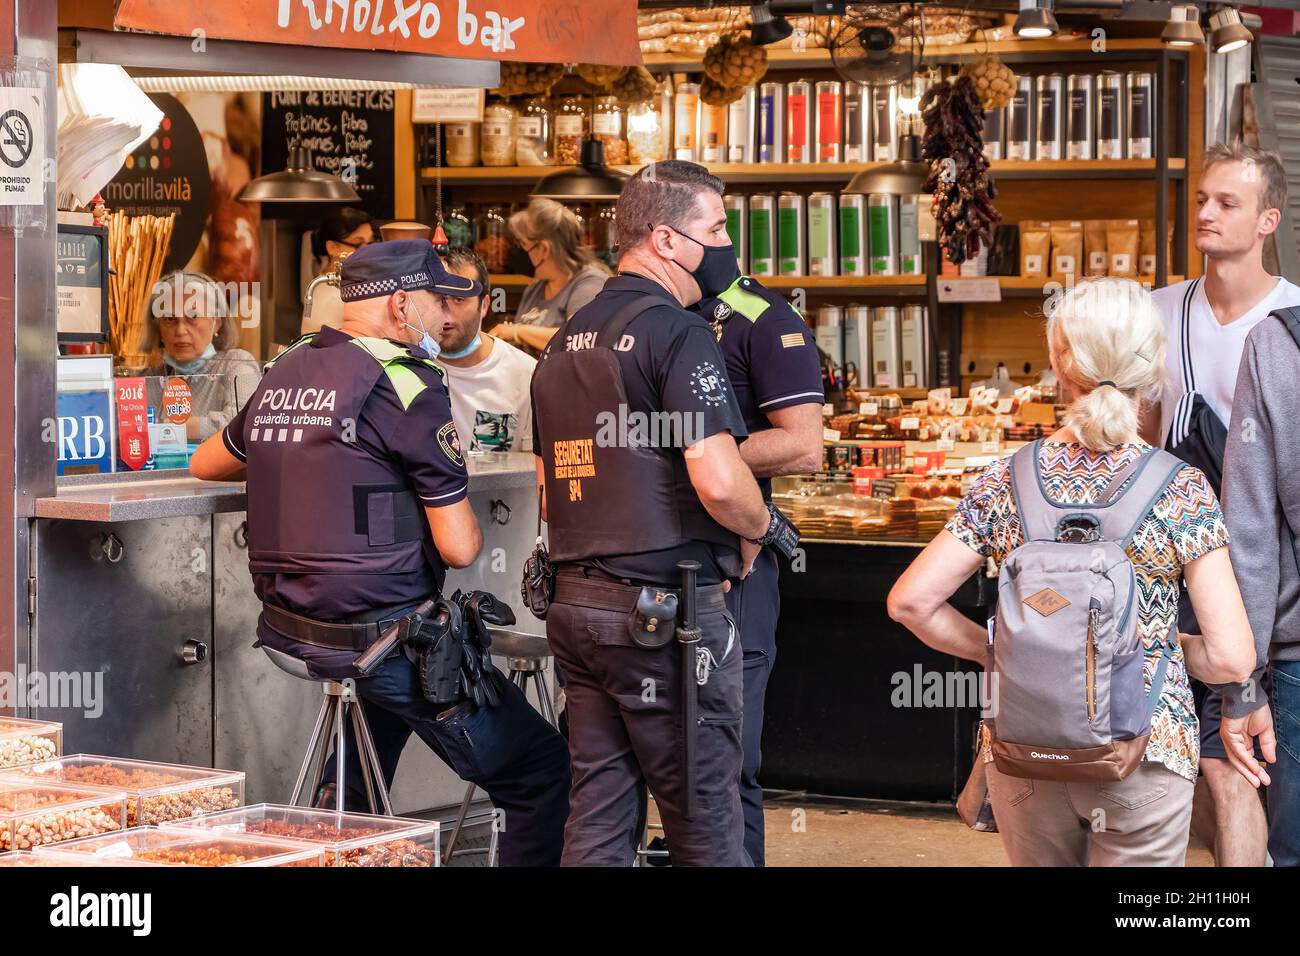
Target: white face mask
(427, 342)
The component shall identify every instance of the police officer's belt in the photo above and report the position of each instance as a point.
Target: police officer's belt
(340, 637)
(606, 595)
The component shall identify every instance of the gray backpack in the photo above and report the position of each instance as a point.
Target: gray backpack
(1066, 655)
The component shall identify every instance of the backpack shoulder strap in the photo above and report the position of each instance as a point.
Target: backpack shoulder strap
(1038, 515)
(1141, 486)
(1291, 319)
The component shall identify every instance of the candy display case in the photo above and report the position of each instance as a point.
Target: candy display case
(22, 741)
(348, 839)
(21, 859)
(155, 792)
(33, 814)
(175, 846)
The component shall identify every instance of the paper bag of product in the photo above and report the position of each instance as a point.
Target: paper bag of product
(1094, 247)
(1035, 247)
(1067, 250)
(1122, 246)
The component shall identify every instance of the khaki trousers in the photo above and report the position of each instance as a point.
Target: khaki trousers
(1142, 820)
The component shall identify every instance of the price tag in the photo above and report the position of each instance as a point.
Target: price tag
(828, 409)
(910, 424)
(868, 408)
(969, 290)
(991, 447)
(1003, 406)
(959, 406)
(830, 434)
(945, 444)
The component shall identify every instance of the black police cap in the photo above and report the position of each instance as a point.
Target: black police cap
(382, 268)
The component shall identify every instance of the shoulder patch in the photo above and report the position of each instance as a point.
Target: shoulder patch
(449, 442)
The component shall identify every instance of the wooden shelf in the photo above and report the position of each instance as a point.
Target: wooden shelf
(779, 174)
(878, 285)
(1030, 287)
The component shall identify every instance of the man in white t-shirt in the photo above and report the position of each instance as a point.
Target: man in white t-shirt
(488, 379)
(1238, 206)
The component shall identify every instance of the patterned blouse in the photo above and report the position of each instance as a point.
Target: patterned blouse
(1185, 523)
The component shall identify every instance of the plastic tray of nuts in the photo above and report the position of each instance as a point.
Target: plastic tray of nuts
(26, 858)
(22, 741)
(349, 839)
(174, 846)
(155, 792)
(33, 815)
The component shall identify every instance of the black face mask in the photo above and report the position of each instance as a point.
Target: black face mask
(717, 269)
(520, 263)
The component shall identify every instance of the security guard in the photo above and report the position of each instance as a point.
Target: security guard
(635, 428)
(356, 506)
(775, 371)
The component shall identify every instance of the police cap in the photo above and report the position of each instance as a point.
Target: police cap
(382, 268)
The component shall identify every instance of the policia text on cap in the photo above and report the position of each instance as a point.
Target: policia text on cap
(356, 507)
(624, 508)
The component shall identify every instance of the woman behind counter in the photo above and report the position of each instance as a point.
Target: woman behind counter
(568, 273)
(342, 232)
(190, 318)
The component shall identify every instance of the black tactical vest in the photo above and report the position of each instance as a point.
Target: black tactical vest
(604, 497)
(319, 501)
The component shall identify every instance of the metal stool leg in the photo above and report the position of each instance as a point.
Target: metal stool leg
(370, 756)
(341, 749)
(460, 823)
(312, 744)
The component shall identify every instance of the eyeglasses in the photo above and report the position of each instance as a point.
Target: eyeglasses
(191, 321)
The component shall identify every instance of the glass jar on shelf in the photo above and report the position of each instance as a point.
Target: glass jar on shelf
(646, 142)
(493, 242)
(462, 141)
(533, 132)
(460, 231)
(607, 125)
(570, 129)
(603, 235)
(497, 133)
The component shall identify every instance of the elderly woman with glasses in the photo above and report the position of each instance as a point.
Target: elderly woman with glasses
(190, 319)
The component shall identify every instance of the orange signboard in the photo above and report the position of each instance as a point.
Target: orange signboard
(543, 31)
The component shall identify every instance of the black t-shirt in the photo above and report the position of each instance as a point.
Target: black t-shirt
(771, 356)
(675, 353)
(418, 441)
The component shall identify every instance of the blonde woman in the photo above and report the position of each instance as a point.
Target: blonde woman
(1107, 349)
(568, 275)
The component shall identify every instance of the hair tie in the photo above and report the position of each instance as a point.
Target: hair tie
(1107, 382)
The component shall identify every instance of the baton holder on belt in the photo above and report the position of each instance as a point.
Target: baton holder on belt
(688, 636)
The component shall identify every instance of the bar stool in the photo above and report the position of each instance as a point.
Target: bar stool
(526, 656)
(339, 704)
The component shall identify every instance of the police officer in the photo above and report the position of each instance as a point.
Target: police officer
(356, 506)
(636, 429)
(775, 372)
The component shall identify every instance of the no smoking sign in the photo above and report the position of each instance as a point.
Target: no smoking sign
(22, 146)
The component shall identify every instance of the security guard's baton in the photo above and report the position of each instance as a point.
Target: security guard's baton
(379, 650)
(688, 636)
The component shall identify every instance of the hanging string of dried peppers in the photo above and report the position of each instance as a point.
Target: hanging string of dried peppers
(959, 174)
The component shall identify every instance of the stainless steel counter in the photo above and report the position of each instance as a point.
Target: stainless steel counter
(148, 495)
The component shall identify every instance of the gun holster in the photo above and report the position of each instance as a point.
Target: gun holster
(538, 586)
(438, 650)
(653, 620)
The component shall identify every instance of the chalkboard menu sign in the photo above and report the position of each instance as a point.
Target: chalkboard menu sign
(349, 133)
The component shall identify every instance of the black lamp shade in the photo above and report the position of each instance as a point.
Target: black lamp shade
(590, 180)
(298, 183)
(767, 28)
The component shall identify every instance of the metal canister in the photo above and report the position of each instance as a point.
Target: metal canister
(1110, 116)
(822, 251)
(799, 122)
(857, 348)
(771, 123)
(1050, 138)
(713, 133)
(994, 133)
(886, 348)
(829, 132)
(829, 334)
(741, 116)
(911, 262)
(792, 242)
(686, 109)
(884, 123)
(1081, 121)
(762, 235)
(914, 347)
(853, 234)
(737, 212)
(857, 124)
(882, 230)
(1140, 95)
(1020, 120)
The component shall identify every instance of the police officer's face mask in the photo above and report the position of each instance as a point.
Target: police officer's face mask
(717, 269)
(427, 342)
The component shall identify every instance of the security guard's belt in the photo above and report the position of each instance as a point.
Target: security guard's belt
(339, 637)
(608, 595)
